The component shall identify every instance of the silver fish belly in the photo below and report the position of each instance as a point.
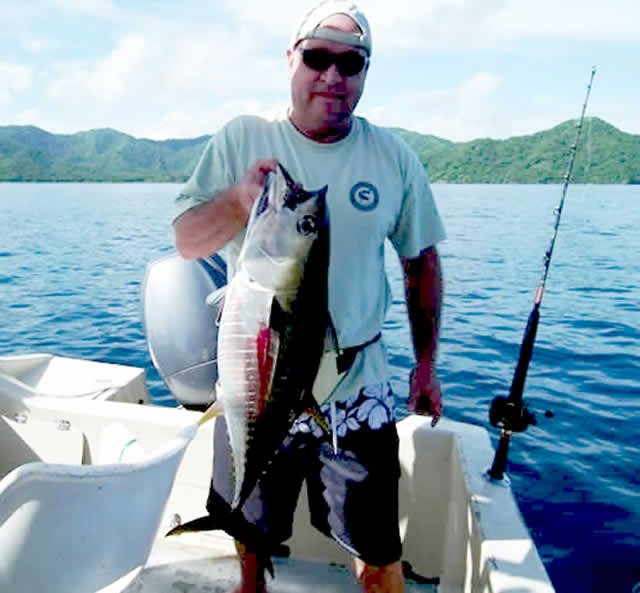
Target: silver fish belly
(273, 324)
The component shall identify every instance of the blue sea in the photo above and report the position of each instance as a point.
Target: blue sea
(73, 258)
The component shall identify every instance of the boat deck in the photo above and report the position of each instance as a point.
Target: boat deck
(175, 567)
(457, 526)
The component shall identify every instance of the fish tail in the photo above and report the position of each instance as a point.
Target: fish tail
(239, 531)
(206, 523)
(213, 411)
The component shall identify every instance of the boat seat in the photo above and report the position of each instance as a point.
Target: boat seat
(91, 389)
(35, 440)
(83, 528)
(44, 375)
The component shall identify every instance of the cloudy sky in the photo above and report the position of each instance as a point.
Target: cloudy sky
(459, 69)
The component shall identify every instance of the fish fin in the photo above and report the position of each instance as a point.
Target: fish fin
(213, 411)
(216, 299)
(278, 318)
(213, 298)
(206, 523)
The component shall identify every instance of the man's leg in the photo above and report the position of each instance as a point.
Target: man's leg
(266, 518)
(354, 496)
(379, 579)
(251, 572)
(374, 579)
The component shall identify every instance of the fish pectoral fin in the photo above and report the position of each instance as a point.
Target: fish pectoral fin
(216, 297)
(213, 411)
(206, 523)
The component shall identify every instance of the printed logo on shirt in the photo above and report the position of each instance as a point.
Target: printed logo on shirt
(364, 196)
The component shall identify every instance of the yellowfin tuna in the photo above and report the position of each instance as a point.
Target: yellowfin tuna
(272, 328)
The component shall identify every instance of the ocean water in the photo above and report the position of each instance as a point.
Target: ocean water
(73, 258)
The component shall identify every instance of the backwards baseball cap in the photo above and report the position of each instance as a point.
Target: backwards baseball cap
(309, 27)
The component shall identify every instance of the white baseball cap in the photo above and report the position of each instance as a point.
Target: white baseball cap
(309, 27)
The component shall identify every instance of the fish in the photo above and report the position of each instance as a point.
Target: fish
(271, 331)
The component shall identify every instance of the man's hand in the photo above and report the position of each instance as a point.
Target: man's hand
(206, 228)
(252, 183)
(425, 396)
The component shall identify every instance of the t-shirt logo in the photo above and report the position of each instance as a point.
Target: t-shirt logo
(364, 196)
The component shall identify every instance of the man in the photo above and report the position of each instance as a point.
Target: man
(377, 190)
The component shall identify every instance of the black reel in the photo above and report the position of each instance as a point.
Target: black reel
(509, 415)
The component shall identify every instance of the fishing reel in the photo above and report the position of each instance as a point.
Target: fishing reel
(510, 415)
(514, 416)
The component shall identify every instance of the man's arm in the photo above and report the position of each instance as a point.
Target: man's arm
(206, 228)
(423, 285)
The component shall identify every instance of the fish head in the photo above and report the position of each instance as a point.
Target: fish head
(285, 222)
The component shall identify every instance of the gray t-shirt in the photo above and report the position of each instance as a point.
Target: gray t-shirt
(377, 190)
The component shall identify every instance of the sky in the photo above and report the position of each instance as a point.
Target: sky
(457, 69)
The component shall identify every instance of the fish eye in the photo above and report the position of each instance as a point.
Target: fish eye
(307, 225)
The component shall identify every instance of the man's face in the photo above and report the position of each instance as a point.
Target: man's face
(324, 100)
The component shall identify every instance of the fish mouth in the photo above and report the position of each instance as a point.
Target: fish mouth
(273, 272)
(278, 261)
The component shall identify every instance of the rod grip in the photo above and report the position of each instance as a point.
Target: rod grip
(526, 351)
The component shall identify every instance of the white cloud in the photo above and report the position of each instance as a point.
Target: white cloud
(458, 24)
(426, 25)
(106, 80)
(161, 84)
(27, 117)
(277, 17)
(576, 19)
(408, 24)
(462, 24)
(97, 8)
(110, 79)
(183, 71)
(463, 112)
(222, 63)
(203, 119)
(37, 44)
(215, 65)
(403, 24)
(14, 77)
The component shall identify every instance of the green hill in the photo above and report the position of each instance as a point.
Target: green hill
(28, 153)
(605, 155)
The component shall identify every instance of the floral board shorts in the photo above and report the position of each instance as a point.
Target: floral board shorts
(352, 478)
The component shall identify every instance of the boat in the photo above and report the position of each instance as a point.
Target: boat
(92, 479)
(462, 532)
(49, 375)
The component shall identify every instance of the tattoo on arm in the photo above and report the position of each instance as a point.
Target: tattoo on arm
(423, 287)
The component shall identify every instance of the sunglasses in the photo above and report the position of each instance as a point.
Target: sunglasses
(348, 63)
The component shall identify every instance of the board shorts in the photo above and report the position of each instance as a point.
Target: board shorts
(351, 476)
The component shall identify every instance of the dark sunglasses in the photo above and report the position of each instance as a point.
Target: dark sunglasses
(348, 63)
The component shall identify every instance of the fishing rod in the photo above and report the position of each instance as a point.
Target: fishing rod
(511, 414)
